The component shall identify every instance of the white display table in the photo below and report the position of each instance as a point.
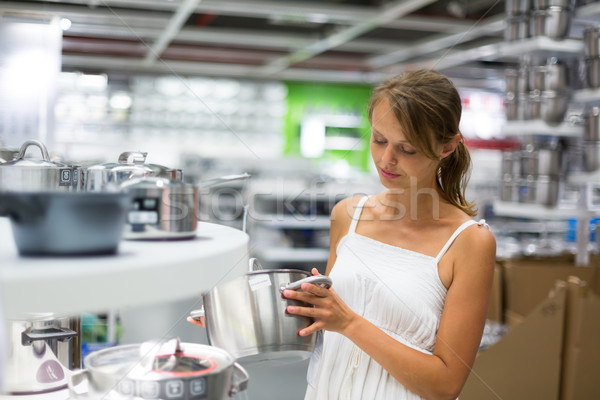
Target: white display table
(141, 273)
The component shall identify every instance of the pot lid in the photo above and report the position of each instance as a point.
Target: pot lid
(131, 360)
(134, 161)
(44, 162)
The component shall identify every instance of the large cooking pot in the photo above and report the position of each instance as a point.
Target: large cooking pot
(29, 174)
(61, 223)
(43, 349)
(166, 208)
(247, 315)
(160, 370)
(130, 165)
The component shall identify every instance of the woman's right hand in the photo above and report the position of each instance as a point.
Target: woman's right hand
(201, 321)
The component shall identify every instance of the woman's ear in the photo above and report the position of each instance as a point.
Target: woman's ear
(449, 147)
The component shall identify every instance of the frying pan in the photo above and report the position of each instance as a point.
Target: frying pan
(65, 223)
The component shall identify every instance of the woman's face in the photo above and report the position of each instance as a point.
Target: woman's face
(398, 163)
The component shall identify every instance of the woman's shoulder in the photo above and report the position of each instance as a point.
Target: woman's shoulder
(345, 208)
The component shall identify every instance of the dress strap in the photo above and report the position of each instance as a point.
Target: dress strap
(457, 232)
(357, 213)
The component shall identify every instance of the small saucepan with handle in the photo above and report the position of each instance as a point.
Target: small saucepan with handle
(166, 208)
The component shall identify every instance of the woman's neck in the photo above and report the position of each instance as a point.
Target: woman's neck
(418, 202)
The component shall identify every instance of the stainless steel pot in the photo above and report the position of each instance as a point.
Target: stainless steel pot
(517, 28)
(543, 190)
(592, 125)
(542, 162)
(552, 22)
(592, 72)
(247, 316)
(160, 370)
(130, 165)
(43, 349)
(65, 223)
(553, 106)
(591, 156)
(591, 41)
(166, 208)
(29, 174)
(517, 7)
(509, 189)
(556, 77)
(534, 109)
(543, 4)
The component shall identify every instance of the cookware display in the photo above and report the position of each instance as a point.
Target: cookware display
(247, 315)
(61, 223)
(130, 165)
(43, 349)
(35, 174)
(166, 208)
(160, 370)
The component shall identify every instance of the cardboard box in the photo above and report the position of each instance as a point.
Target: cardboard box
(580, 378)
(552, 353)
(525, 363)
(527, 281)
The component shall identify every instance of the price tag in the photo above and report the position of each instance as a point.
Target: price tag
(259, 281)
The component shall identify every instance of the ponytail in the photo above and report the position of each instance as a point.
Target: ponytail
(453, 175)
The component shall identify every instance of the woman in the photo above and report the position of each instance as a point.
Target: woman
(411, 270)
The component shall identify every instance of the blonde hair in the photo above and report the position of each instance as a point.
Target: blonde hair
(428, 108)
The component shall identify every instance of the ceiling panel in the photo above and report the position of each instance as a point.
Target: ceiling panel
(336, 40)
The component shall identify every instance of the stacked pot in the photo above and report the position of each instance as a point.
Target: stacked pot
(551, 18)
(549, 94)
(533, 174)
(538, 92)
(591, 52)
(516, 95)
(517, 19)
(591, 144)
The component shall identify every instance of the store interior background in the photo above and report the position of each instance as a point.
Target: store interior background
(274, 88)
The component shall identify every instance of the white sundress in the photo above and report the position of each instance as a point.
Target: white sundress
(397, 290)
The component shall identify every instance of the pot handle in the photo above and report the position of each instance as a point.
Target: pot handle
(77, 377)
(240, 380)
(254, 265)
(133, 157)
(37, 143)
(222, 179)
(61, 334)
(321, 280)
(197, 314)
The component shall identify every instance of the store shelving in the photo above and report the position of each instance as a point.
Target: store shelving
(539, 127)
(538, 211)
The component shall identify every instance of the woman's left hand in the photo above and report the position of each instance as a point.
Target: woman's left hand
(328, 311)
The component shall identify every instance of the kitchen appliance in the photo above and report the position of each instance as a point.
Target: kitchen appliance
(166, 208)
(30, 174)
(247, 315)
(160, 370)
(43, 350)
(65, 223)
(130, 165)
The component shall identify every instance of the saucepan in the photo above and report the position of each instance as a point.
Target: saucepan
(65, 223)
(166, 208)
(247, 315)
(36, 174)
(164, 369)
(130, 165)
